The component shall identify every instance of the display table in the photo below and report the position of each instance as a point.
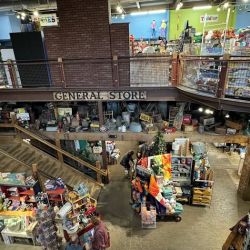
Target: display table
(9, 235)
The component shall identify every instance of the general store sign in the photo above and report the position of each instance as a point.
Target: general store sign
(99, 95)
(46, 19)
(209, 18)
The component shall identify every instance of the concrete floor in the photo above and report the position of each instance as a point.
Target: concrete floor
(201, 227)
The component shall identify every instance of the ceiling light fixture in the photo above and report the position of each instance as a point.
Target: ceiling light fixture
(179, 5)
(119, 9)
(200, 109)
(35, 13)
(227, 116)
(23, 14)
(218, 9)
(225, 5)
(245, 1)
(123, 16)
(208, 111)
(18, 16)
(204, 7)
(147, 12)
(138, 5)
(23, 17)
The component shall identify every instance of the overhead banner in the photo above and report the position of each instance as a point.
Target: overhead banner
(209, 19)
(46, 19)
(99, 95)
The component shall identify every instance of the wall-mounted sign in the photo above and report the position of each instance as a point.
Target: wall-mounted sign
(99, 95)
(46, 19)
(210, 18)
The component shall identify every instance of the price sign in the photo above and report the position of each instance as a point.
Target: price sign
(46, 19)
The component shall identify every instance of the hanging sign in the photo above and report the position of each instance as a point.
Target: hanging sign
(209, 19)
(46, 19)
(99, 95)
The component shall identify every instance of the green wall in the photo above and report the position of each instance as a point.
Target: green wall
(178, 20)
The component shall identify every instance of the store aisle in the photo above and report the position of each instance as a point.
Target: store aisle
(201, 228)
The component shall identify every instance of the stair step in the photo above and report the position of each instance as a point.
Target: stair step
(46, 163)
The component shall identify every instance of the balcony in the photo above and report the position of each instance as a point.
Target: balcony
(220, 83)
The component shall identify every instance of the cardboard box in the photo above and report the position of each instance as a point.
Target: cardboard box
(220, 130)
(188, 128)
(207, 121)
(233, 125)
(231, 131)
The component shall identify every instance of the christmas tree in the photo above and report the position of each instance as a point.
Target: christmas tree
(159, 145)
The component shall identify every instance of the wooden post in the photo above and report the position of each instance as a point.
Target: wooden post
(12, 73)
(104, 152)
(174, 71)
(59, 154)
(34, 171)
(223, 77)
(63, 79)
(244, 185)
(98, 176)
(115, 71)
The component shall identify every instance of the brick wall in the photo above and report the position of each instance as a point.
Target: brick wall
(120, 47)
(84, 32)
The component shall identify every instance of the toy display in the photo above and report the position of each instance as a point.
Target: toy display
(78, 210)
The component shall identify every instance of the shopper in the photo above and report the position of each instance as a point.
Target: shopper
(74, 243)
(127, 162)
(101, 237)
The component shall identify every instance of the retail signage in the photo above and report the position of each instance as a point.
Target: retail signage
(99, 95)
(209, 19)
(46, 19)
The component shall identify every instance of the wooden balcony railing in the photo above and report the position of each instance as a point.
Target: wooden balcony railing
(20, 130)
(214, 76)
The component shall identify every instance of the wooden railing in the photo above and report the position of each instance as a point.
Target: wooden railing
(42, 173)
(100, 172)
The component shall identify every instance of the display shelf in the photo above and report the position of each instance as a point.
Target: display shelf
(56, 195)
(56, 192)
(17, 213)
(238, 79)
(28, 192)
(20, 192)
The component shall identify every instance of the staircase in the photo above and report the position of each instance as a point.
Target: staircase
(18, 156)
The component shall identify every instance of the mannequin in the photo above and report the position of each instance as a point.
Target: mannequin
(153, 27)
(163, 28)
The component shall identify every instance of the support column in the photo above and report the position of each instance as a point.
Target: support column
(104, 152)
(59, 154)
(244, 185)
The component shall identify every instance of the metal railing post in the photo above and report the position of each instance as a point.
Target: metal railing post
(223, 77)
(12, 73)
(115, 71)
(62, 72)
